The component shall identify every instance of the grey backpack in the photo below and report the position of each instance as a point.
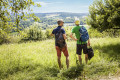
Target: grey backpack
(60, 39)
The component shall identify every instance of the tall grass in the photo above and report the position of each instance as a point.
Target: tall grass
(38, 61)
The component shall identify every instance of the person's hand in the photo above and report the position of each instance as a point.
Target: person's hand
(76, 39)
(88, 44)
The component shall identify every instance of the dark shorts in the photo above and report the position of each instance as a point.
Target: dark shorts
(64, 50)
(80, 48)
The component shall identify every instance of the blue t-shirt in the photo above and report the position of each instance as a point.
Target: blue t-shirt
(55, 31)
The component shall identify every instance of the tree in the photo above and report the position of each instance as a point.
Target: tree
(17, 8)
(104, 14)
(11, 8)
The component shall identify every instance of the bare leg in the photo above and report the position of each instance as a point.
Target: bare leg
(67, 62)
(80, 59)
(59, 62)
(86, 58)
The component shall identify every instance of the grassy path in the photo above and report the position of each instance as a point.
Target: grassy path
(38, 61)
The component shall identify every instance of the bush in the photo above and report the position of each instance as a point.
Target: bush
(4, 37)
(32, 33)
(94, 33)
(111, 33)
(48, 33)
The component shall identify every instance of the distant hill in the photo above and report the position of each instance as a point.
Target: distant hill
(50, 19)
(61, 14)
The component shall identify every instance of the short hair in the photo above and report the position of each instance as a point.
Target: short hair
(59, 21)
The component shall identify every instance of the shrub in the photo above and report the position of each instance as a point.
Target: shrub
(48, 33)
(32, 33)
(111, 33)
(4, 37)
(94, 33)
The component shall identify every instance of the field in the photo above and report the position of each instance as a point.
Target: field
(38, 61)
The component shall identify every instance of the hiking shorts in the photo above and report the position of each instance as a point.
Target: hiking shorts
(64, 50)
(80, 48)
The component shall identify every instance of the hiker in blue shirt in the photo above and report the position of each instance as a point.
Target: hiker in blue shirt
(60, 43)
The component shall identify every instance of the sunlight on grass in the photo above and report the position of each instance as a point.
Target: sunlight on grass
(38, 60)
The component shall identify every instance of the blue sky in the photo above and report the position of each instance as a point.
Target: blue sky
(74, 6)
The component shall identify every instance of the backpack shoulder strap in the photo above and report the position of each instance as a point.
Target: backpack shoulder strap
(60, 30)
(82, 26)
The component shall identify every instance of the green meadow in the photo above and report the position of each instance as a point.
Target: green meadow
(38, 61)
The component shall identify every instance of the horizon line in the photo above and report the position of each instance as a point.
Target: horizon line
(64, 12)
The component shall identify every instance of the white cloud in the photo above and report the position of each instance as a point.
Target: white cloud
(42, 3)
(47, 3)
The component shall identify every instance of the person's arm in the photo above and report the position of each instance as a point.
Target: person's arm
(88, 42)
(64, 35)
(52, 35)
(71, 35)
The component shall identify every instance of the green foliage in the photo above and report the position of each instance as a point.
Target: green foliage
(17, 8)
(4, 38)
(68, 30)
(73, 72)
(5, 29)
(13, 10)
(94, 33)
(104, 14)
(30, 61)
(32, 33)
(48, 33)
